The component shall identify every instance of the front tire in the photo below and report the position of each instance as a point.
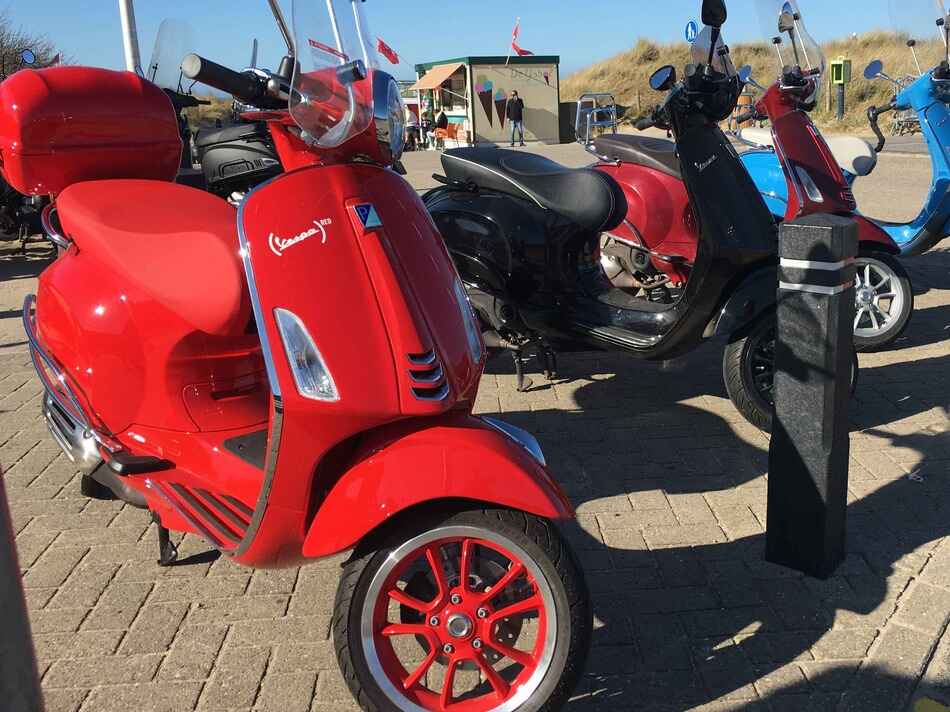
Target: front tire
(884, 301)
(487, 609)
(748, 369)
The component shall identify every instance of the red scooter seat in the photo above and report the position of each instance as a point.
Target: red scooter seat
(178, 244)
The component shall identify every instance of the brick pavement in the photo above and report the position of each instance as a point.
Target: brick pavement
(669, 484)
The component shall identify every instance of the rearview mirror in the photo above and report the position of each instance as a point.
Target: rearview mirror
(663, 78)
(745, 74)
(27, 56)
(874, 69)
(714, 13)
(786, 21)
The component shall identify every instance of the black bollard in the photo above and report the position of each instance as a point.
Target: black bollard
(19, 683)
(814, 357)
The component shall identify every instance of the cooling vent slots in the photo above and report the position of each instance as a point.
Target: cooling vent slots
(427, 378)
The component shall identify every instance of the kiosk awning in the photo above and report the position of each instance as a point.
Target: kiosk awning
(436, 77)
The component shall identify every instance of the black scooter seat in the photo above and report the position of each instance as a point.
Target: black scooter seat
(229, 134)
(656, 153)
(590, 199)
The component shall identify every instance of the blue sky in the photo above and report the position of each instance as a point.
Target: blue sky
(581, 31)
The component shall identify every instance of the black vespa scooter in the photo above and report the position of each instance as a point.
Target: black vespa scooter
(525, 234)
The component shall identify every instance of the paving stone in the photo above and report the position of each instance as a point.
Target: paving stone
(153, 697)
(192, 654)
(61, 620)
(236, 679)
(64, 700)
(902, 650)
(102, 670)
(301, 629)
(286, 693)
(154, 628)
(293, 657)
(83, 644)
(118, 606)
(844, 644)
(231, 610)
(200, 589)
(924, 607)
(54, 566)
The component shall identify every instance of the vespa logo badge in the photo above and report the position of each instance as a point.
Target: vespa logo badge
(705, 164)
(279, 245)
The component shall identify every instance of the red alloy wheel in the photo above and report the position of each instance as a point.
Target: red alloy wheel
(451, 610)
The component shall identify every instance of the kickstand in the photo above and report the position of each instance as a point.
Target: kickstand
(524, 383)
(167, 551)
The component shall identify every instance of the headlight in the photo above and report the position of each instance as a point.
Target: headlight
(472, 332)
(390, 116)
(311, 374)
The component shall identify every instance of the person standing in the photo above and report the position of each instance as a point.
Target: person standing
(515, 113)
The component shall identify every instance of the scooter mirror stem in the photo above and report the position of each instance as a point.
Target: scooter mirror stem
(282, 25)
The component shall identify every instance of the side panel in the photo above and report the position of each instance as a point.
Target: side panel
(766, 170)
(457, 458)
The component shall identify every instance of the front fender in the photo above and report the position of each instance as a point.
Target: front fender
(460, 457)
(872, 236)
(753, 297)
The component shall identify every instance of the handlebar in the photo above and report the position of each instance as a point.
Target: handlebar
(745, 118)
(644, 123)
(873, 114)
(247, 88)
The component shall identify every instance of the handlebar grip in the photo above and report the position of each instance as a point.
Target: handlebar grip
(246, 87)
(644, 123)
(873, 113)
(746, 117)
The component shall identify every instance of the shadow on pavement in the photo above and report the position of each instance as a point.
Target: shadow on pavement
(671, 503)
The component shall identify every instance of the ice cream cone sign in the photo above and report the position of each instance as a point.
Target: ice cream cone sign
(484, 88)
(501, 105)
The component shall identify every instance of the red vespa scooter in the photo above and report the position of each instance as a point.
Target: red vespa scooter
(813, 178)
(295, 379)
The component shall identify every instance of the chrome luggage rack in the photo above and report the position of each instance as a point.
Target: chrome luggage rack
(67, 419)
(595, 111)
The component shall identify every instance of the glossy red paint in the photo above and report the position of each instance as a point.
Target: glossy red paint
(659, 209)
(810, 166)
(808, 162)
(64, 125)
(456, 458)
(149, 315)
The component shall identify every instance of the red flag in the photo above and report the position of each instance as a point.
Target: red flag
(387, 51)
(514, 41)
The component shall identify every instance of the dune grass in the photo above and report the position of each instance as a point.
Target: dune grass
(626, 75)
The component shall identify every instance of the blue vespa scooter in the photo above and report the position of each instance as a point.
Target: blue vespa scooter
(928, 97)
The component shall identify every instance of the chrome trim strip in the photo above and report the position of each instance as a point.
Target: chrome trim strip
(521, 437)
(811, 264)
(52, 234)
(426, 359)
(815, 289)
(428, 380)
(200, 528)
(438, 395)
(277, 419)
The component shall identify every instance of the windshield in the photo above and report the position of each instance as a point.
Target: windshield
(332, 99)
(699, 53)
(783, 27)
(918, 20)
(175, 40)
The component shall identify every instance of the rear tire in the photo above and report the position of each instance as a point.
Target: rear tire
(376, 673)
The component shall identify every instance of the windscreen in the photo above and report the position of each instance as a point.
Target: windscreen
(918, 20)
(783, 27)
(332, 99)
(175, 40)
(699, 53)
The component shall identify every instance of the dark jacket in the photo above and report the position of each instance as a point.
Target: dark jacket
(515, 110)
(442, 122)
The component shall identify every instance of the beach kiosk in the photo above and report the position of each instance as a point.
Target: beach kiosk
(474, 91)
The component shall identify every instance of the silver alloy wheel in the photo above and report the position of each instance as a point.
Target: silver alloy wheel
(367, 632)
(879, 298)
